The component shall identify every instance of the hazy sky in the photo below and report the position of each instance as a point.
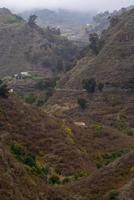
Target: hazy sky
(98, 5)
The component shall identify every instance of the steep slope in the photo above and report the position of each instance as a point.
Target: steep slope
(101, 21)
(35, 148)
(112, 65)
(27, 47)
(107, 183)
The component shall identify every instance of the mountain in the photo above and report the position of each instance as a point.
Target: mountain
(78, 145)
(25, 47)
(101, 21)
(59, 17)
(111, 65)
(71, 23)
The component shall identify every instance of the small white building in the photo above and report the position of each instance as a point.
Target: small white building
(22, 75)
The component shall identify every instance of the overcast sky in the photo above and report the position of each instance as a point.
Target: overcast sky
(83, 5)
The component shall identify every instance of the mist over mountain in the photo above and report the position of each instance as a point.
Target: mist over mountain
(85, 5)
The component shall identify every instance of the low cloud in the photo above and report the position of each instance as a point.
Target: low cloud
(83, 5)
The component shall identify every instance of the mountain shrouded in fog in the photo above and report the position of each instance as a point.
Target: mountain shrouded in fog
(84, 5)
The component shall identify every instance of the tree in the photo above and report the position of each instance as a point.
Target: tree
(100, 87)
(114, 20)
(60, 65)
(82, 103)
(3, 90)
(94, 42)
(32, 20)
(89, 85)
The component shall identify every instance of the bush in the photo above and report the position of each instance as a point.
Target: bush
(21, 155)
(3, 90)
(30, 99)
(100, 87)
(46, 84)
(30, 160)
(40, 102)
(105, 159)
(66, 180)
(113, 195)
(89, 85)
(54, 180)
(82, 103)
(81, 174)
(94, 42)
(98, 128)
(17, 150)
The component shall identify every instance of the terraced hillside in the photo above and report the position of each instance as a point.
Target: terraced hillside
(79, 145)
(44, 157)
(112, 64)
(25, 47)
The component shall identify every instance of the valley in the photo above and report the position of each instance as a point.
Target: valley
(66, 110)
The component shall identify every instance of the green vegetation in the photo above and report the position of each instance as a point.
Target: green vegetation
(13, 19)
(23, 156)
(122, 124)
(43, 170)
(82, 103)
(70, 135)
(84, 198)
(98, 128)
(103, 160)
(3, 90)
(89, 85)
(31, 98)
(81, 174)
(29, 159)
(113, 195)
(132, 170)
(96, 43)
(54, 180)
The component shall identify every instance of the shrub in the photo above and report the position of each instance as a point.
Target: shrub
(17, 150)
(45, 84)
(30, 160)
(82, 103)
(54, 180)
(30, 99)
(98, 128)
(3, 90)
(81, 174)
(113, 195)
(103, 160)
(100, 87)
(40, 102)
(94, 42)
(89, 85)
(132, 170)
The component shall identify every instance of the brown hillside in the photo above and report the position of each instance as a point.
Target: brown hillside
(114, 64)
(68, 150)
(25, 47)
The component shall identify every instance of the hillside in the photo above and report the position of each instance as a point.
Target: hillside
(45, 157)
(71, 23)
(69, 144)
(111, 66)
(28, 47)
(101, 21)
